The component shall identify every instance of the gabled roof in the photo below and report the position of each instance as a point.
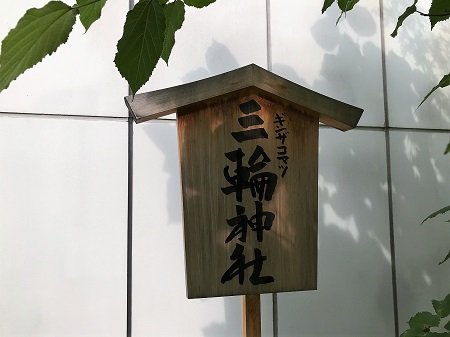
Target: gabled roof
(163, 102)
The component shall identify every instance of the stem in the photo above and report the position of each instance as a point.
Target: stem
(86, 4)
(425, 14)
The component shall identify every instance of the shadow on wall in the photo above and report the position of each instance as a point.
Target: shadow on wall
(169, 148)
(427, 57)
(232, 318)
(218, 60)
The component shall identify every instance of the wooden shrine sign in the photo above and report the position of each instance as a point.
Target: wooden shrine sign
(248, 146)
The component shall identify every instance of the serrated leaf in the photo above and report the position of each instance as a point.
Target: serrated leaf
(198, 3)
(410, 10)
(446, 258)
(141, 44)
(414, 333)
(439, 11)
(424, 320)
(174, 13)
(37, 34)
(441, 211)
(442, 308)
(327, 5)
(347, 5)
(91, 12)
(447, 149)
(445, 81)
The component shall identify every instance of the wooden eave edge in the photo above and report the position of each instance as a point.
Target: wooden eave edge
(159, 103)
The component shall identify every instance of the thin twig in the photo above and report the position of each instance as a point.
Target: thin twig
(425, 14)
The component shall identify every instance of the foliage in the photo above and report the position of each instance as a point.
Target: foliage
(142, 42)
(427, 324)
(148, 35)
(37, 34)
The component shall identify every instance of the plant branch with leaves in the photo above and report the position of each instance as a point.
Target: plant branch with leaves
(148, 35)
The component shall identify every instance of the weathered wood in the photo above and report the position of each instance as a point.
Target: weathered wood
(205, 135)
(163, 102)
(251, 316)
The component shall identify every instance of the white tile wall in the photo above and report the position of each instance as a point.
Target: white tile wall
(62, 227)
(420, 178)
(80, 78)
(160, 306)
(221, 37)
(343, 62)
(354, 296)
(416, 60)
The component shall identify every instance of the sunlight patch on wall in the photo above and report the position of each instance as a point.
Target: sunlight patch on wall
(427, 279)
(386, 252)
(437, 173)
(330, 188)
(368, 203)
(331, 218)
(411, 149)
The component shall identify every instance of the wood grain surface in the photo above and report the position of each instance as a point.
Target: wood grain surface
(251, 316)
(163, 102)
(290, 246)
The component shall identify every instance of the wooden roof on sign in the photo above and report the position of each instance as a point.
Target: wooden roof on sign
(155, 104)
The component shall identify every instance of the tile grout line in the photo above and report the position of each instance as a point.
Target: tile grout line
(268, 36)
(50, 115)
(389, 170)
(269, 68)
(129, 267)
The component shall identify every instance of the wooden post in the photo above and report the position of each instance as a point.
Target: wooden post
(251, 316)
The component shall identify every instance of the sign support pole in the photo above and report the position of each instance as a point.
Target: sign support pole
(251, 316)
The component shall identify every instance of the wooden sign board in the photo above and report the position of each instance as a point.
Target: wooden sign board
(248, 146)
(249, 185)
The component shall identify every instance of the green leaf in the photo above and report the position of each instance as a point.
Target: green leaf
(445, 81)
(442, 308)
(446, 258)
(439, 11)
(90, 11)
(422, 333)
(347, 5)
(424, 320)
(412, 333)
(410, 10)
(174, 13)
(441, 211)
(447, 149)
(447, 326)
(327, 5)
(141, 44)
(198, 3)
(37, 34)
